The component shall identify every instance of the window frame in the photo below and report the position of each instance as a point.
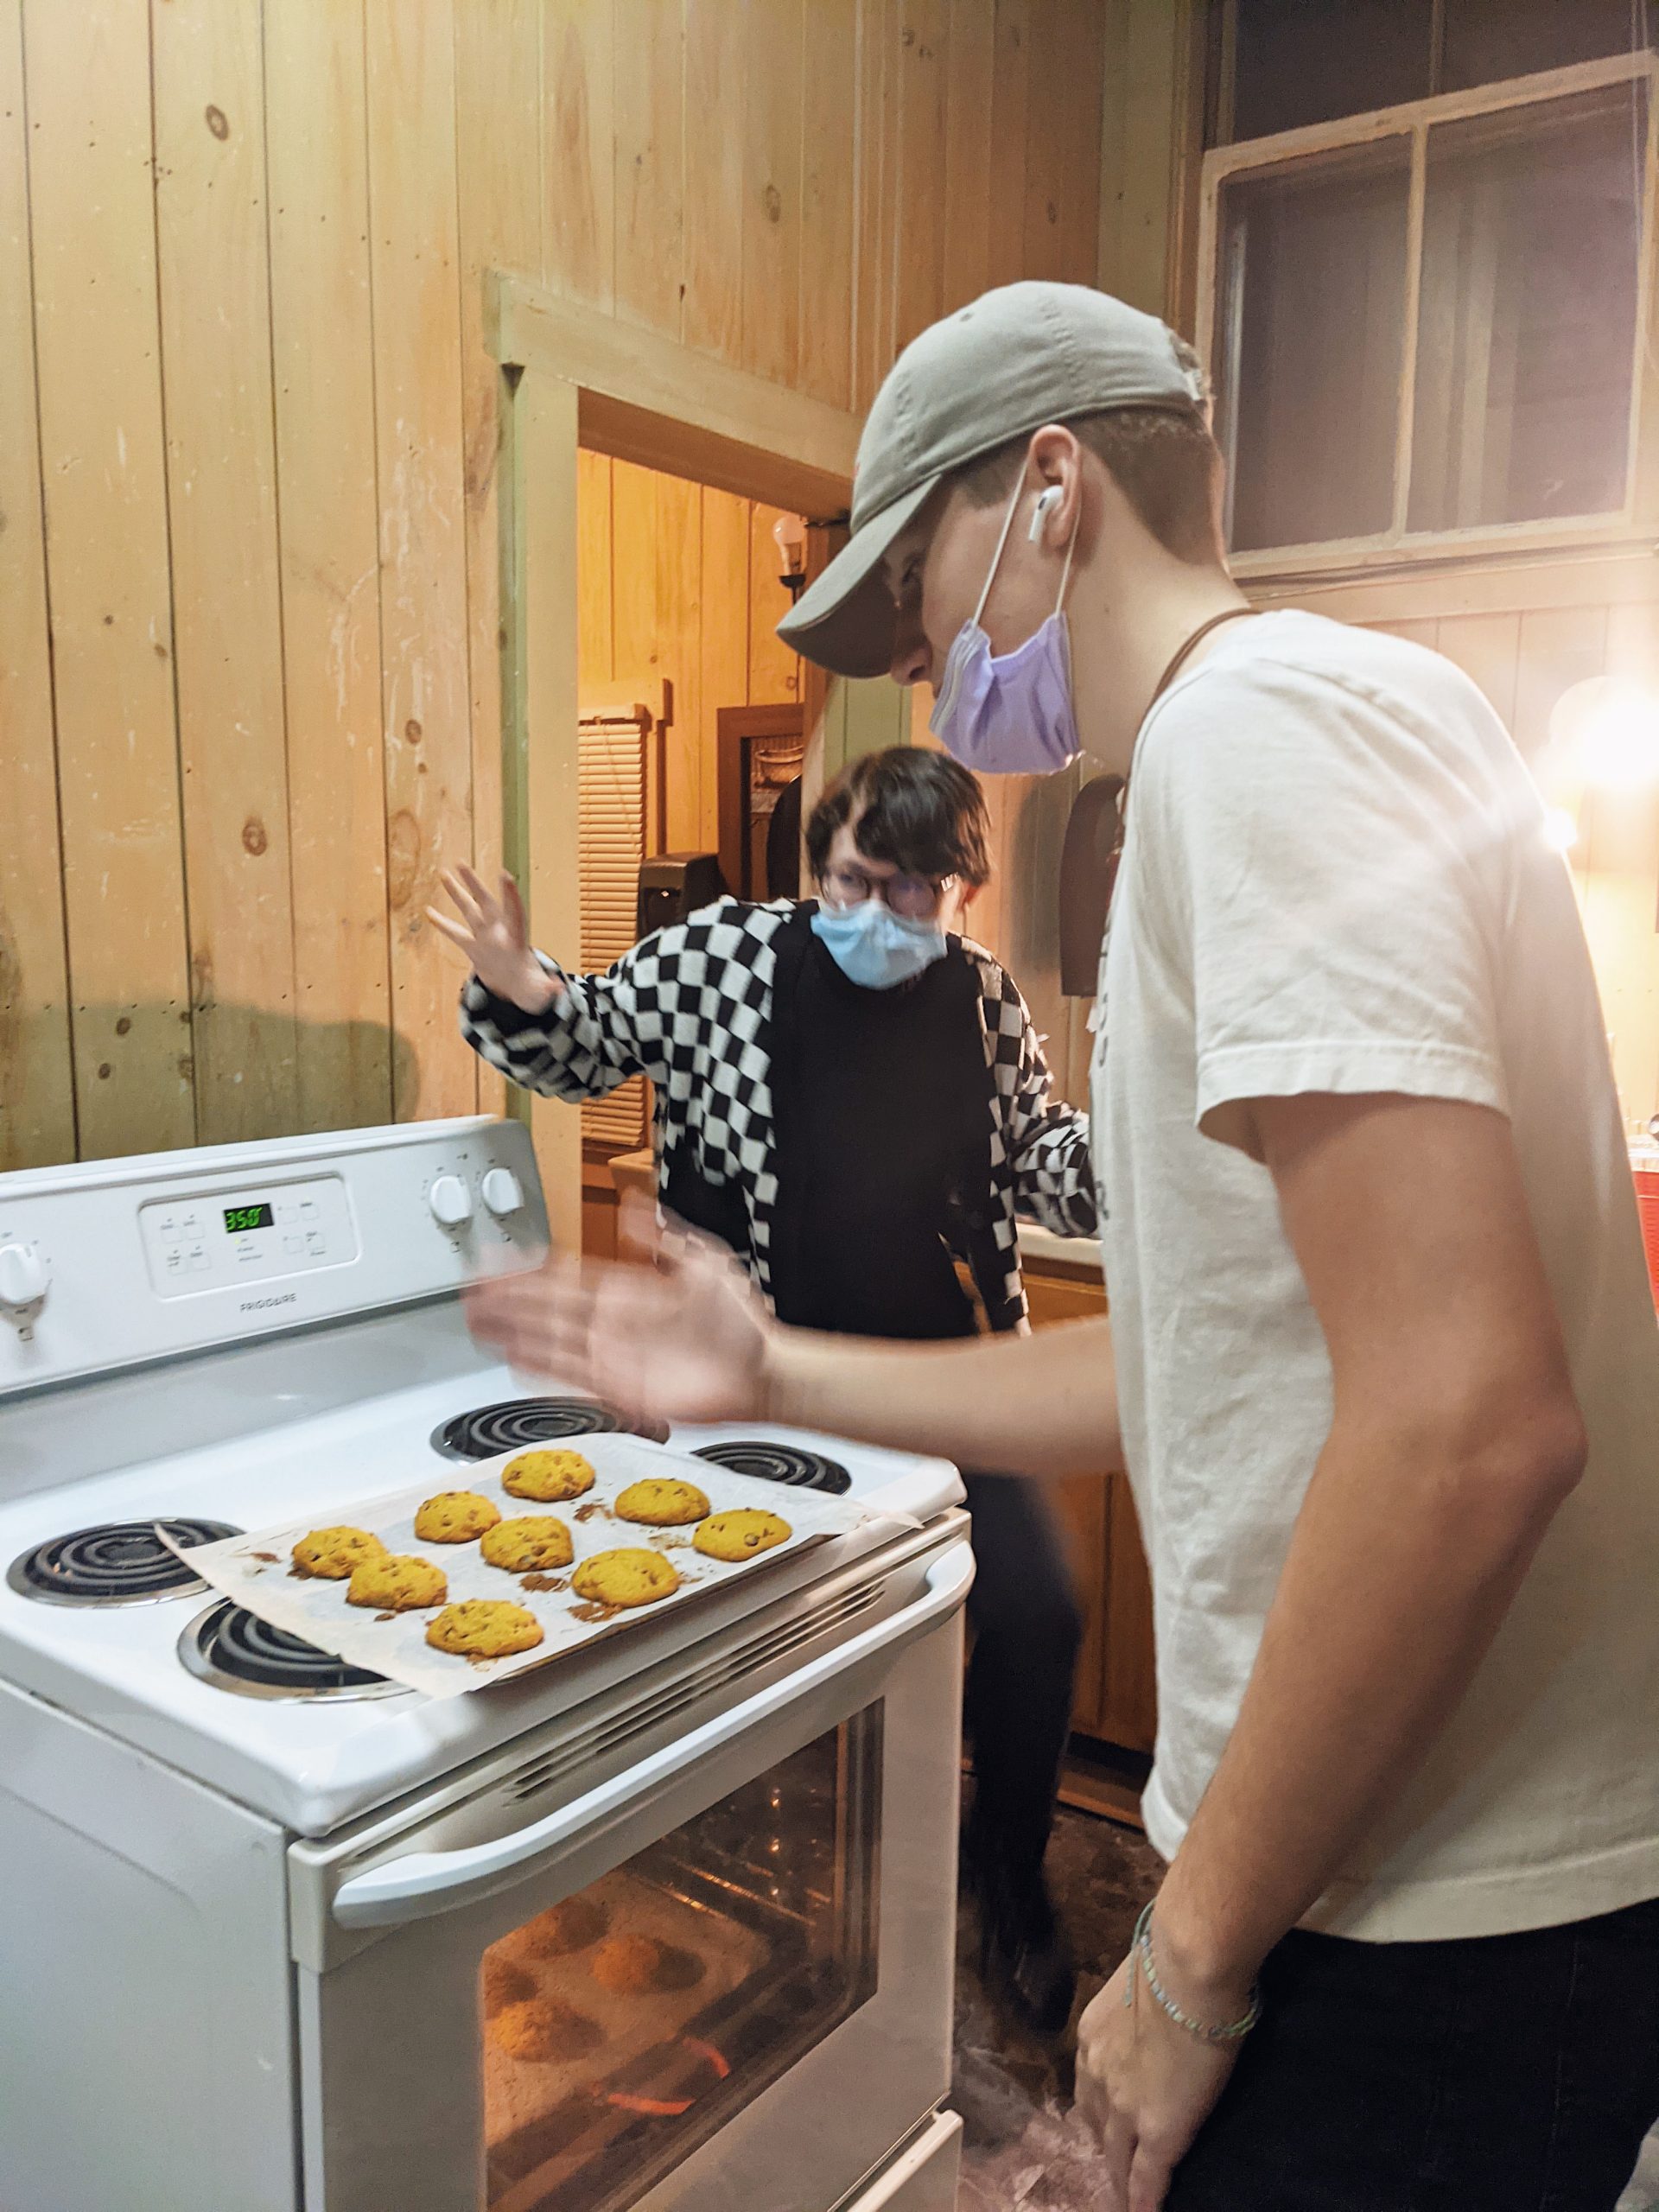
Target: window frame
(1397, 546)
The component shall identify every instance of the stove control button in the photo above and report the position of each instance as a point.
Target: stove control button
(23, 1278)
(451, 1201)
(502, 1191)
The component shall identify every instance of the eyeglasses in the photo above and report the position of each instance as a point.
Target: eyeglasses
(916, 897)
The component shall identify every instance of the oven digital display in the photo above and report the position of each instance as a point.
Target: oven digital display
(237, 1219)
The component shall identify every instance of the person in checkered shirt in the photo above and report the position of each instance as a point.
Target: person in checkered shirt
(852, 1097)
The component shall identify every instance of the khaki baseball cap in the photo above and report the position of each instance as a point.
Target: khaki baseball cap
(1015, 358)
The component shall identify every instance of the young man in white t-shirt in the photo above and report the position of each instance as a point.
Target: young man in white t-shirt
(1381, 1362)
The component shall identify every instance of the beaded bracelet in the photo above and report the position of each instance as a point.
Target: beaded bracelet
(1140, 1949)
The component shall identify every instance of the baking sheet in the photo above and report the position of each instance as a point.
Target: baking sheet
(257, 1570)
(520, 2093)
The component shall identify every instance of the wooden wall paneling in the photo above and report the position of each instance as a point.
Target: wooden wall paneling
(875, 155)
(716, 65)
(102, 466)
(723, 640)
(1559, 646)
(1485, 647)
(829, 72)
(774, 670)
(971, 66)
(773, 114)
(1047, 181)
(542, 700)
(322, 354)
(596, 659)
(578, 151)
(426, 704)
(212, 245)
(1081, 1502)
(636, 634)
(499, 217)
(1012, 99)
(1142, 151)
(678, 577)
(1082, 71)
(1619, 837)
(37, 1105)
(924, 55)
(650, 121)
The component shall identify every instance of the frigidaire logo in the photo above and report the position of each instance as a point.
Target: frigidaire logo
(263, 1304)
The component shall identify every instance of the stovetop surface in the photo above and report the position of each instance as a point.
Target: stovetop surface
(314, 1764)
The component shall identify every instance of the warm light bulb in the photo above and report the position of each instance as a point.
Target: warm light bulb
(1617, 737)
(1560, 830)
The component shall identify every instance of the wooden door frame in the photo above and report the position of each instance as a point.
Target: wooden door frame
(570, 376)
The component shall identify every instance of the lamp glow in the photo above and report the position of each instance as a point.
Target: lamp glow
(1613, 730)
(1560, 830)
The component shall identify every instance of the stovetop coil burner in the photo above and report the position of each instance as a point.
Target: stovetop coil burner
(116, 1563)
(780, 1462)
(516, 1424)
(234, 1649)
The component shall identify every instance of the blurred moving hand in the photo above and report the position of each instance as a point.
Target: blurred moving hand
(493, 938)
(683, 1337)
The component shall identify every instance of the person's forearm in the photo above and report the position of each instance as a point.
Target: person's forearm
(1044, 1404)
(1399, 1574)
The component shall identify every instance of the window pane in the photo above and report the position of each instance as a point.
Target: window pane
(1488, 40)
(624, 2026)
(1528, 319)
(1312, 296)
(1306, 61)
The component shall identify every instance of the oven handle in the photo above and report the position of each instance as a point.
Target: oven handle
(424, 1882)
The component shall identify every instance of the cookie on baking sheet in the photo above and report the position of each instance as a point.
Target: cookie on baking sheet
(662, 1502)
(545, 2031)
(549, 1477)
(484, 1628)
(335, 1553)
(570, 1925)
(527, 1541)
(399, 1583)
(455, 1517)
(626, 1577)
(636, 1963)
(740, 1533)
(503, 1983)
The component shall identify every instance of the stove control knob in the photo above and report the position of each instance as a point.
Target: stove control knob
(451, 1201)
(23, 1278)
(502, 1191)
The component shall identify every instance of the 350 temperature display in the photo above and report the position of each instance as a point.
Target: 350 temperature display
(238, 1218)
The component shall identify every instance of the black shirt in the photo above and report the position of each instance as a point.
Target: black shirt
(882, 1111)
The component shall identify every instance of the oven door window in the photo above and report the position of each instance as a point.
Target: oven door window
(623, 2026)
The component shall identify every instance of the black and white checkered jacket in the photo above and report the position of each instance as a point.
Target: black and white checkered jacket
(690, 1008)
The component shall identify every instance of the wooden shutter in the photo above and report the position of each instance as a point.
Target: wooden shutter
(611, 791)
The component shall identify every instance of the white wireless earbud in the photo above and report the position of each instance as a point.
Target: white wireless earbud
(1047, 503)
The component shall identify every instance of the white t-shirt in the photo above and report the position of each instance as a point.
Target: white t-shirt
(1335, 879)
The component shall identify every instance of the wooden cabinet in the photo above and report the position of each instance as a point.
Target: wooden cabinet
(1116, 1697)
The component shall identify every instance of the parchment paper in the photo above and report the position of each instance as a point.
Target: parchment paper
(257, 1570)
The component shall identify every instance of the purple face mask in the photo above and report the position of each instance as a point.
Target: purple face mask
(1009, 714)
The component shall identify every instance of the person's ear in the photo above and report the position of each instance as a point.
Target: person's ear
(1055, 459)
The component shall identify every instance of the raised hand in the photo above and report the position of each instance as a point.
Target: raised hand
(684, 1337)
(493, 939)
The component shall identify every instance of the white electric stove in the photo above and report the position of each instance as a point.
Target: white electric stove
(275, 1933)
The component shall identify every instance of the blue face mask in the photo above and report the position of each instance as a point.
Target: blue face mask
(875, 948)
(1009, 714)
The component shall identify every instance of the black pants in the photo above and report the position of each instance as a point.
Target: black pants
(1506, 2073)
(1018, 1706)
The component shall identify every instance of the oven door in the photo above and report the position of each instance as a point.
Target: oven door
(690, 1949)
